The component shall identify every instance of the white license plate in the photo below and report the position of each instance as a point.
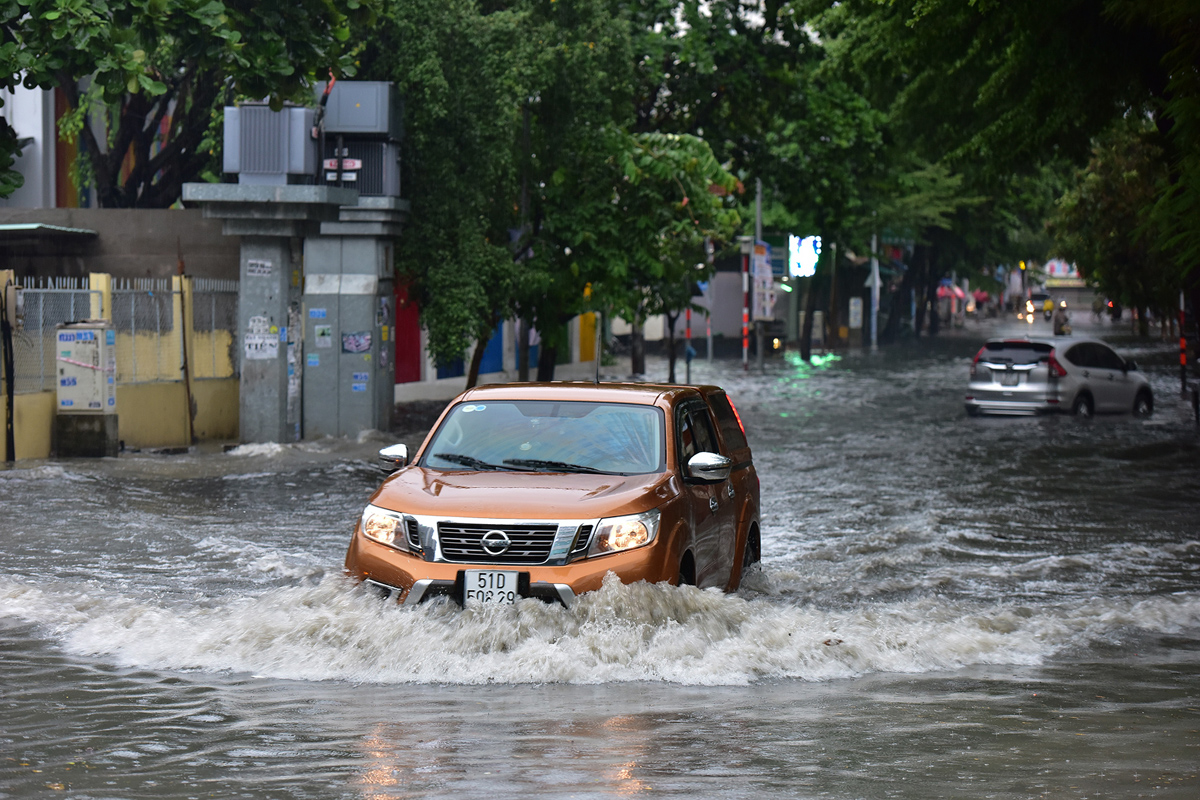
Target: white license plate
(489, 587)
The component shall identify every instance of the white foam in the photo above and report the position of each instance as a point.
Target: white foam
(333, 631)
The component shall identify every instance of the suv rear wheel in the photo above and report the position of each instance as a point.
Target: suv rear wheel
(1083, 406)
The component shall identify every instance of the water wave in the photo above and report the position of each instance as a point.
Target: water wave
(335, 631)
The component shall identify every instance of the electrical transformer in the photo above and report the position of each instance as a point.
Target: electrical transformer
(85, 374)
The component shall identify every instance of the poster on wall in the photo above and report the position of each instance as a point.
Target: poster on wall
(357, 342)
(762, 278)
(261, 346)
(324, 336)
(259, 268)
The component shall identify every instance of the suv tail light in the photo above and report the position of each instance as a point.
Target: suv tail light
(976, 361)
(1056, 369)
(736, 415)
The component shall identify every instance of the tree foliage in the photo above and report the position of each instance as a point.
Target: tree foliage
(1106, 223)
(155, 73)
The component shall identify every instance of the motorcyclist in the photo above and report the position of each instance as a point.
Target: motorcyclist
(1061, 320)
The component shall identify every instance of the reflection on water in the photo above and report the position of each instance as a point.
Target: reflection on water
(946, 607)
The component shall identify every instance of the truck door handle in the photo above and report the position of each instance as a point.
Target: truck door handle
(729, 490)
(712, 504)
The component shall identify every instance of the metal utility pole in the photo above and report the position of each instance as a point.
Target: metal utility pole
(874, 293)
(758, 233)
(747, 248)
(1182, 348)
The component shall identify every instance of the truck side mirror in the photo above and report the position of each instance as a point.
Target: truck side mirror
(394, 457)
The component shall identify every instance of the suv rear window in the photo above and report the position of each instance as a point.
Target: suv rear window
(731, 431)
(1017, 352)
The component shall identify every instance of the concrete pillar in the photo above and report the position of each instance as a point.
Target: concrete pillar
(349, 320)
(272, 221)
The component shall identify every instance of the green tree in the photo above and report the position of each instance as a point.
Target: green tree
(668, 191)
(156, 73)
(463, 73)
(1003, 89)
(1106, 223)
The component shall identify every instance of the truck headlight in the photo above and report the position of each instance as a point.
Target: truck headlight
(614, 534)
(384, 526)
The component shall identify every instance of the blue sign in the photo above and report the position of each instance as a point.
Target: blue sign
(358, 387)
(66, 337)
(316, 313)
(110, 337)
(362, 376)
(67, 382)
(314, 360)
(85, 336)
(283, 334)
(66, 402)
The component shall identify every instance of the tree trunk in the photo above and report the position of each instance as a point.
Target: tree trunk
(920, 281)
(832, 318)
(810, 306)
(671, 320)
(637, 348)
(523, 350)
(476, 360)
(547, 359)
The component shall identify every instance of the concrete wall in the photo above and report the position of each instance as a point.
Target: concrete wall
(131, 243)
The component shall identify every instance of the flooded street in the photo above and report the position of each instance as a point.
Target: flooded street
(947, 607)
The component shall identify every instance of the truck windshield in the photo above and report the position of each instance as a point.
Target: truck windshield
(549, 436)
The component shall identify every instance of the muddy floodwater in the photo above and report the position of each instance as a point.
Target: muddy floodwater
(947, 607)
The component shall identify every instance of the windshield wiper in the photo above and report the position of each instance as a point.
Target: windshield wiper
(466, 461)
(556, 466)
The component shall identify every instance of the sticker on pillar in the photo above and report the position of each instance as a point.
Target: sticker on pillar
(358, 387)
(110, 337)
(362, 376)
(313, 360)
(383, 334)
(261, 346)
(316, 313)
(324, 336)
(283, 334)
(358, 342)
(259, 268)
(257, 325)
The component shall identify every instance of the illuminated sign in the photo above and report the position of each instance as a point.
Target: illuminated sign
(803, 255)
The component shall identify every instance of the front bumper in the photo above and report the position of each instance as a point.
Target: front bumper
(414, 579)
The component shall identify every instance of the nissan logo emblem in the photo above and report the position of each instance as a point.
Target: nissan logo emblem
(495, 543)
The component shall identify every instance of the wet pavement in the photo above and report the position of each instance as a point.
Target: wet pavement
(947, 607)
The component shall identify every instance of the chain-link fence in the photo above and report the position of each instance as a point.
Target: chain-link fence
(46, 303)
(214, 321)
(149, 347)
(144, 313)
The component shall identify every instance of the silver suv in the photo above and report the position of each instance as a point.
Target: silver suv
(1032, 376)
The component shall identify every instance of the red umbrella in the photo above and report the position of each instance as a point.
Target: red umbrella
(948, 291)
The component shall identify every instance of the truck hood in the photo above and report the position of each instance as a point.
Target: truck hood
(522, 495)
